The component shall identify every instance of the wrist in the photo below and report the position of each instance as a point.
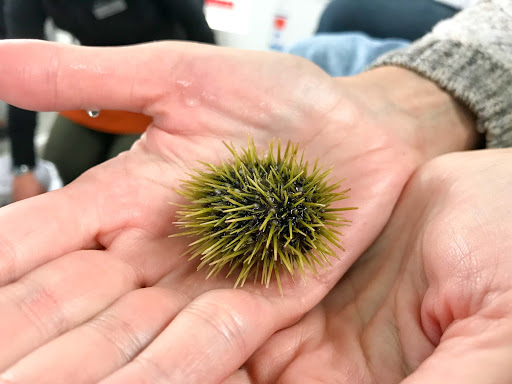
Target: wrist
(425, 117)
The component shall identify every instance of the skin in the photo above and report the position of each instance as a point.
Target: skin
(429, 302)
(88, 274)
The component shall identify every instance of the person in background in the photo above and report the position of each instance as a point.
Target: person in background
(78, 141)
(2, 105)
(353, 33)
(2, 21)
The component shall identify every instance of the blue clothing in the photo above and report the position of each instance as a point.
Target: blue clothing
(405, 19)
(344, 54)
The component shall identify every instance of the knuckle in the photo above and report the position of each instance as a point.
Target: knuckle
(224, 321)
(40, 305)
(150, 372)
(118, 333)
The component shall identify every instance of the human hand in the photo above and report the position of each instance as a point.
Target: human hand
(429, 302)
(92, 276)
(26, 186)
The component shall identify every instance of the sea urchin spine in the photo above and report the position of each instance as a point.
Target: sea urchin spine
(262, 214)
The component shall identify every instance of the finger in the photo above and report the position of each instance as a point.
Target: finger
(86, 214)
(37, 230)
(239, 377)
(106, 343)
(270, 363)
(51, 76)
(208, 341)
(57, 297)
(153, 78)
(481, 358)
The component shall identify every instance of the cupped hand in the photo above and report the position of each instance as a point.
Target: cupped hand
(429, 302)
(92, 287)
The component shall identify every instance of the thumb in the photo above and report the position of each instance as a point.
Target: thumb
(484, 356)
(41, 75)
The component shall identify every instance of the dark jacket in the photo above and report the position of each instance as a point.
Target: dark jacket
(2, 21)
(97, 23)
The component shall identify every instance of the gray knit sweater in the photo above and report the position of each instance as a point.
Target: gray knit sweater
(470, 56)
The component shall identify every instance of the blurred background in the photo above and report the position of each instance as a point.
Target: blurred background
(263, 24)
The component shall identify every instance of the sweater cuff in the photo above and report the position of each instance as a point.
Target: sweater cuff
(473, 77)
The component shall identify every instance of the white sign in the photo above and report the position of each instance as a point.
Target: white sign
(228, 15)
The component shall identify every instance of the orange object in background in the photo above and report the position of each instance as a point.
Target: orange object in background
(117, 122)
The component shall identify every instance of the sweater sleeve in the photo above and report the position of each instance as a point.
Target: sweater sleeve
(24, 20)
(470, 56)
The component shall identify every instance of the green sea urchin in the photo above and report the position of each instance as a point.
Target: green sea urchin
(261, 214)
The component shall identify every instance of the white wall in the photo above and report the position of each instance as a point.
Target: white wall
(303, 16)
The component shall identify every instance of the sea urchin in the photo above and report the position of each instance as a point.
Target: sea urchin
(261, 214)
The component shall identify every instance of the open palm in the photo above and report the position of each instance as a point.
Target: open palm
(429, 302)
(92, 287)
